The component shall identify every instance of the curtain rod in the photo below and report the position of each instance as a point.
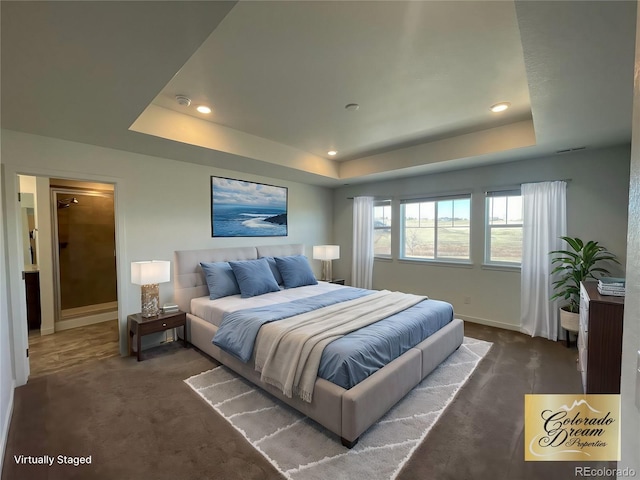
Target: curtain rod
(560, 180)
(510, 185)
(515, 186)
(375, 197)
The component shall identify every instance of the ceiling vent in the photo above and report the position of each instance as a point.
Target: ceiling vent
(567, 150)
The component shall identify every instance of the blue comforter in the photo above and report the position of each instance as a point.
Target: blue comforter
(352, 358)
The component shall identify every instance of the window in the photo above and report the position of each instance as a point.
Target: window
(504, 228)
(436, 229)
(382, 228)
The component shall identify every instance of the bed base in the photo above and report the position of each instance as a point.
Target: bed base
(347, 443)
(347, 413)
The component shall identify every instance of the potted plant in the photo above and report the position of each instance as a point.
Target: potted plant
(576, 265)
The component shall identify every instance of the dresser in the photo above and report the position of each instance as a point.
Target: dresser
(600, 340)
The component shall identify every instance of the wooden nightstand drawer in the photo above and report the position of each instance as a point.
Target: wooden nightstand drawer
(161, 324)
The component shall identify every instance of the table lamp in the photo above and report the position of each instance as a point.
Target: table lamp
(326, 253)
(149, 274)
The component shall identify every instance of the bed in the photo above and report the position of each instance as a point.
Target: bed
(347, 412)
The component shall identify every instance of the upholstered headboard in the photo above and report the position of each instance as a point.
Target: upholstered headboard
(188, 277)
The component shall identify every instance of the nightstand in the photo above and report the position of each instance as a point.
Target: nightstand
(339, 281)
(144, 326)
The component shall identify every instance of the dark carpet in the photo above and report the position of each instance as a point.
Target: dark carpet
(139, 420)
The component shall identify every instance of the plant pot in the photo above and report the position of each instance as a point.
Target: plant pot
(569, 320)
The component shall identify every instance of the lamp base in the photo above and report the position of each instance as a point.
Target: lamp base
(150, 300)
(327, 274)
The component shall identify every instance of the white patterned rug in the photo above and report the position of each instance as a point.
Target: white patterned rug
(303, 450)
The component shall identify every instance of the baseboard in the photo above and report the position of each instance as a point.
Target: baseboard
(47, 331)
(7, 424)
(490, 323)
(87, 310)
(87, 320)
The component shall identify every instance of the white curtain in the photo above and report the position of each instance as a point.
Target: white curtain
(544, 222)
(362, 265)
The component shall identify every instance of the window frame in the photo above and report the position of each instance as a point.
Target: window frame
(436, 259)
(512, 192)
(384, 203)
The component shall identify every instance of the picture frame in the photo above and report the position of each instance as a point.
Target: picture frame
(240, 208)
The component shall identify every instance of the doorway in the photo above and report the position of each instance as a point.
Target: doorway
(84, 255)
(74, 260)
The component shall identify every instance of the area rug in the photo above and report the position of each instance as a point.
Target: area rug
(303, 450)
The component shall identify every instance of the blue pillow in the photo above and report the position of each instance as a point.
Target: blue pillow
(274, 269)
(295, 271)
(220, 279)
(254, 277)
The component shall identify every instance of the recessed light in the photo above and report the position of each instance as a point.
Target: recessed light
(332, 152)
(499, 107)
(203, 109)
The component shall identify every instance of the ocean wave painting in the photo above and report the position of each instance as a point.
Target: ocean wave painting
(247, 209)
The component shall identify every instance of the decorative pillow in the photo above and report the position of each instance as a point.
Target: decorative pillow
(254, 277)
(295, 271)
(220, 279)
(274, 269)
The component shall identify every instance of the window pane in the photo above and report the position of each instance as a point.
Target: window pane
(497, 210)
(462, 212)
(419, 242)
(382, 241)
(382, 228)
(445, 213)
(382, 216)
(514, 210)
(506, 245)
(427, 214)
(411, 211)
(504, 224)
(453, 228)
(453, 242)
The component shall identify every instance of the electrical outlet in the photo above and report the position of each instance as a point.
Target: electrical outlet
(467, 300)
(638, 383)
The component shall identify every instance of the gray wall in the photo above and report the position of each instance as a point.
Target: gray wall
(597, 198)
(161, 205)
(629, 385)
(6, 373)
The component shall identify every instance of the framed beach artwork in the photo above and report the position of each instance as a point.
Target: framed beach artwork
(247, 209)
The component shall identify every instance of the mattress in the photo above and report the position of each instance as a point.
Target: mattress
(213, 310)
(354, 357)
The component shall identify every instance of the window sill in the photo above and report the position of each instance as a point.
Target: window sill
(383, 259)
(501, 268)
(437, 263)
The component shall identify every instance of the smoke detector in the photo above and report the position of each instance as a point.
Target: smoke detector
(183, 100)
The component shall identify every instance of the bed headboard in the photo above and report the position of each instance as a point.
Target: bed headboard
(188, 277)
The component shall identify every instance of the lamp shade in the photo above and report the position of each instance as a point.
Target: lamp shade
(149, 273)
(326, 252)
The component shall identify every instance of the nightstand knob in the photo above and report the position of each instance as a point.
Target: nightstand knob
(164, 324)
